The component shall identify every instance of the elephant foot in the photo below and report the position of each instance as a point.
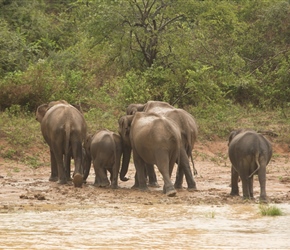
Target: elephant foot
(141, 188)
(104, 185)
(154, 185)
(249, 198)
(234, 194)
(135, 186)
(178, 186)
(53, 178)
(124, 179)
(78, 180)
(263, 199)
(191, 189)
(62, 181)
(171, 193)
(101, 184)
(114, 186)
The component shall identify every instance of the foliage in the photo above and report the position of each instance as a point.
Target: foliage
(186, 52)
(267, 210)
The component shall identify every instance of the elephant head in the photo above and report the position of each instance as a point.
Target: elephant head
(134, 107)
(236, 132)
(42, 109)
(124, 132)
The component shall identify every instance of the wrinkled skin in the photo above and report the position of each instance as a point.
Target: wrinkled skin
(154, 140)
(249, 153)
(188, 130)
(64, 129)
(104, 149)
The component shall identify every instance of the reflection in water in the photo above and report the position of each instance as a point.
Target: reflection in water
(146, 226)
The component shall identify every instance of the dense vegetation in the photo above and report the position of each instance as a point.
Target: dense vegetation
(219, 59)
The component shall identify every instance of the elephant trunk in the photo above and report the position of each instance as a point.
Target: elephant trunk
(86, 162)
(125, 163)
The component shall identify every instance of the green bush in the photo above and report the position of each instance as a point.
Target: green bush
(267, 210)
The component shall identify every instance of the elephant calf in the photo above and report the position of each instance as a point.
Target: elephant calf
(249, 153)
(104, 149)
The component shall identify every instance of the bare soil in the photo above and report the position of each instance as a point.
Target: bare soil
(24, 187)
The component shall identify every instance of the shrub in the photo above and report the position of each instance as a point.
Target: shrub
(267, 210)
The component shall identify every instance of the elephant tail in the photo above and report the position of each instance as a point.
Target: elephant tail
(194, 169)
(258, 164)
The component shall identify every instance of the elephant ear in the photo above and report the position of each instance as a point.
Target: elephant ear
(88, 142)
(41, 111)
(124, 125)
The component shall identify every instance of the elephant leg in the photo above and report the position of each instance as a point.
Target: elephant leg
(87, 171)
(251, 187)
(57, 152)
(262, 181)
(116, 169)
(136, 183)
(68, 165)
(150, 172)
(113, 176)
(77, 155)
(184, 167)
(139, 165)
(164, 166)
(234, 182)
(246, 185)
(179, 178)
(101, 179)
(53, 164)
(60, 165)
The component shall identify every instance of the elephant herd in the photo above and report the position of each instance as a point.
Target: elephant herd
(156, 133)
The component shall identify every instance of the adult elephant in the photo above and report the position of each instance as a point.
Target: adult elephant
(154, 140)
(64, 129)
(188, 130)
(104, 149)
(249, 153)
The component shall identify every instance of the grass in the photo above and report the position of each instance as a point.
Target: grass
(267, 210)
(211, 215)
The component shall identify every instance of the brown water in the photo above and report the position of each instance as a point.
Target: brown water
(146, 227)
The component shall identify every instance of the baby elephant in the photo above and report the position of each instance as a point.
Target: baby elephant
(249, 153)
(104, 148)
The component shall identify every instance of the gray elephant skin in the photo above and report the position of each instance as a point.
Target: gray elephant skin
(64, 129)
(154, 140)
(104, 149)
(188, 130)
(249, 153)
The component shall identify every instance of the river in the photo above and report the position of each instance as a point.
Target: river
(146, 227)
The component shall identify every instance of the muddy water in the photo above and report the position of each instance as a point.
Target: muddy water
(146, 227)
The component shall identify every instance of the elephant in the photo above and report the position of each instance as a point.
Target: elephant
(154, 140)
(188, 130)
(104, 149)
(249, 153)
(64, 129)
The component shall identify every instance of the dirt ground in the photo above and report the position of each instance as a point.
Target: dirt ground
(23, 187)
